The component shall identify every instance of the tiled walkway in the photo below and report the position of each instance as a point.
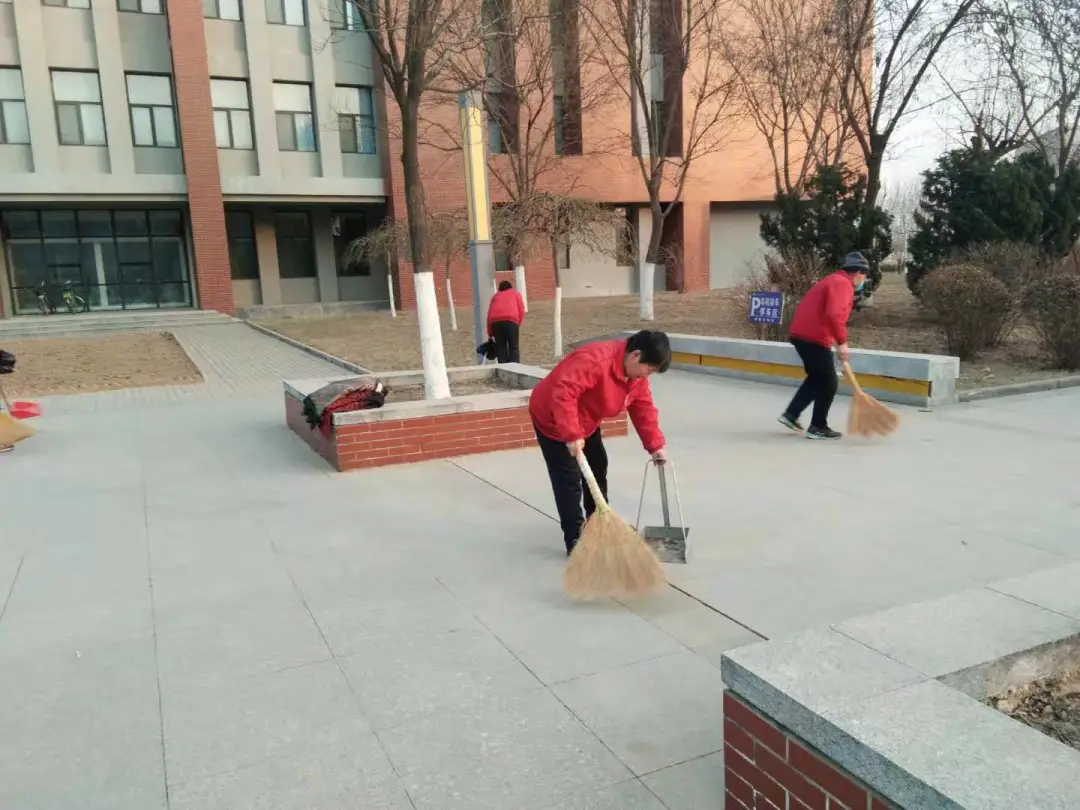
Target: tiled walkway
(235, 360)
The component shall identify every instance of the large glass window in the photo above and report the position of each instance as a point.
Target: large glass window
(347, 229)
(356, 120)
(144, 6)
(296, 251)
(346, 15)
(285, 12)
(243, 257)
(222, 9)
(13, 125)
(232, 113)
(295, 123)
(112, 259)
(79, 116)
(68, 3)
(153, 117)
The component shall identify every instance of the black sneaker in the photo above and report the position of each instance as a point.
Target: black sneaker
(570, 548)
(823, 433)
(790, 424)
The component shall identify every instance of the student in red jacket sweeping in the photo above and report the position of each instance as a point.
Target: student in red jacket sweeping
(595, 382)
(505, 314)
(820, 323)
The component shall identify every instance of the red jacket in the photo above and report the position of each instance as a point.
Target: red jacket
(506, 305)
(821, 317)
(588, 386)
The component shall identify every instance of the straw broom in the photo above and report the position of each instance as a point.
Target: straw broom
(610, 559)
(12, 430)
(867, 416)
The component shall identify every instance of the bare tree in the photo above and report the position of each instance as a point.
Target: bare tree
(1039, 43)
(417, 44)
(784, 61)
(985, 114)
(383, 245)
(450, 239)
(668, 57)
(901, 200)
(886, 49)
(556, 222)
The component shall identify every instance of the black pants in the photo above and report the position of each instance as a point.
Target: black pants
(505, 335)
(567, 483)
(820, 384)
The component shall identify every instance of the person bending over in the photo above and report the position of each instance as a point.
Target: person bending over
(506, 312)
(820, 323)
(595, 382)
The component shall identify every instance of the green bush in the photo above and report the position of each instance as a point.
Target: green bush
(971, 306)
(1017, 265)
(1053, 306)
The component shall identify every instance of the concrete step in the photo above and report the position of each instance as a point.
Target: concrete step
(89, 323)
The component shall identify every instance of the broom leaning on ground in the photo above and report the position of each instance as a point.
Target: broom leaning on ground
(610, 559)
(867, 416)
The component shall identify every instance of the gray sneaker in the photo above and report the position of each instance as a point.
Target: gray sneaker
(823, 433)
(790, 424)
(7, 448)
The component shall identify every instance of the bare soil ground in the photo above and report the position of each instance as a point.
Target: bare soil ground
(415, 393)
(1051, 706)
(79, 365)
(894, 322)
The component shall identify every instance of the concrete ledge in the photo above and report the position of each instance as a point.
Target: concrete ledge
(923, 380)
(316, 310)
(889, 705)
(296, 344)
(403, 432)
(1013, 389)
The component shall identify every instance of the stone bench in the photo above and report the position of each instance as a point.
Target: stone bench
(924, 380)
(886, 711)
(404, 432)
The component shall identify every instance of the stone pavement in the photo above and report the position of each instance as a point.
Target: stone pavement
(198, 614)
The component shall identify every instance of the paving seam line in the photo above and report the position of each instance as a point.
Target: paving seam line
(296, 344)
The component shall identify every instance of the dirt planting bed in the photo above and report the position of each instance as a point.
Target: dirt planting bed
(79, 365)
(1051, 705)
(894, 322)
(415, 393)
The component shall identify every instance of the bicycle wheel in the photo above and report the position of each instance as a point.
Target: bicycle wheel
(43, 307)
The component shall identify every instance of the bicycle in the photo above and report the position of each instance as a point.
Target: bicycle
(72, 301)
(45, 304)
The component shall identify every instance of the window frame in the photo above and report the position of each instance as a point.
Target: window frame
(171, 107)
(229, 115)
(217, 11)
(140, 9)
(280, 6)
(4, 106)
(310, 238)
(354, 123)
(77, 106)
(293, 116)
(231, 239)
(65, 4)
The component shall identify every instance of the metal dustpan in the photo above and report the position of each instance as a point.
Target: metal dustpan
(669, 542)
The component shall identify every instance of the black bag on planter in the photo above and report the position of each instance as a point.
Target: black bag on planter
(7, 362)
(487, 350)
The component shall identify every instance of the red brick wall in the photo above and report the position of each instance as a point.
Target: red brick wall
(192, 78)
(402, 441)
(768, 768)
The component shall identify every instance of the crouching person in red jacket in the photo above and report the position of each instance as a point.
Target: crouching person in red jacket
(505, 315)
(820, 323)
(595, 382)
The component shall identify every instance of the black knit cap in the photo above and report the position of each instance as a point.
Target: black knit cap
(855, 262)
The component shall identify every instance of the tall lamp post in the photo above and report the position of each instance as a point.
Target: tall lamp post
(478, 201)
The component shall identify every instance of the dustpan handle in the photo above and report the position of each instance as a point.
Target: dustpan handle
(590, 481)
(849, 375)
(663, 495)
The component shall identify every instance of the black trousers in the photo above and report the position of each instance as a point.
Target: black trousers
(505, 334)
(567, 483)
(819, 386)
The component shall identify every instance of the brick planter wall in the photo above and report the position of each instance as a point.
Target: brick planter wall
(768, 768)
(402, 441)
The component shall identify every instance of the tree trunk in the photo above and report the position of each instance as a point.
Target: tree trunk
(390, 290)
(436, 382)
(519, 282)
(647, 271)
(557, 325)
(450, 301)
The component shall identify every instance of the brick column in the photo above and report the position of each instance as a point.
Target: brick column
(192, 76)
(695, 244)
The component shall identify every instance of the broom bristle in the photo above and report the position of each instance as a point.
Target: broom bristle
(612, 560)
(868, 417)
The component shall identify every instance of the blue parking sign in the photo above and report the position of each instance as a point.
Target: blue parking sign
(766, 308)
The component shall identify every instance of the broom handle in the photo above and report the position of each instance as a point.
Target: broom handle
(590, 480)
(852, 381)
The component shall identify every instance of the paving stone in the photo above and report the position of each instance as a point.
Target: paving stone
(694, 785)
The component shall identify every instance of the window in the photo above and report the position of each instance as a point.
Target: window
(78, 108)
(356, 120)
(626, 240)
(296, 252)
(560, 125)
(243, 257)
(659, 124)
(68, 3)
(347, 16)
(285, 12)
(347, 229)
(502, 121)
(295, 124)
(221, 9)
(143, 6)
(153, 118)
(564, 254)
(232, 113)
(13, 125)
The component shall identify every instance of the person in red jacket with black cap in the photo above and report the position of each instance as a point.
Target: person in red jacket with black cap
(819, 325)
(596, 381)
(505, 315)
